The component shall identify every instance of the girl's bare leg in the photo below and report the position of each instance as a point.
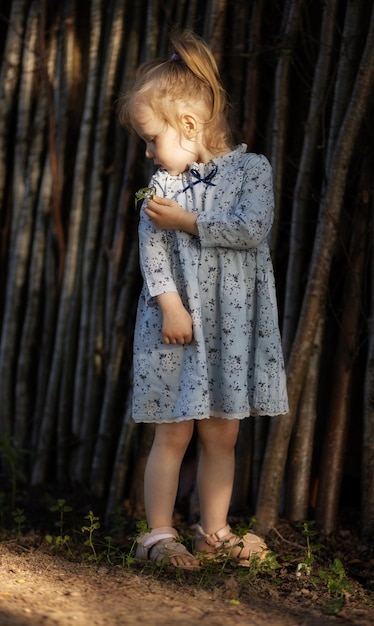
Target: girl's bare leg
(161, 480)
(215, 481)
(215, 476)
(162, 471)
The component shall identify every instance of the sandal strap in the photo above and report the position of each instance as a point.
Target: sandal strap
(224, 538)
(216, 537)
(147, 540)
(162, 543)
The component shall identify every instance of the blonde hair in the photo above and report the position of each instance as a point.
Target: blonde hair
(189, 76)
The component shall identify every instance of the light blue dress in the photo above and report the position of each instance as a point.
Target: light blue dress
(233, 368)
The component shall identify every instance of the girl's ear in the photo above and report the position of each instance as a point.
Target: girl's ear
(189, 124)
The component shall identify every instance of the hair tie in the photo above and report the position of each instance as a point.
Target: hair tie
(174, 57)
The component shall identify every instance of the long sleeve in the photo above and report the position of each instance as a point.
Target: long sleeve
(154, 254)
(247, 222)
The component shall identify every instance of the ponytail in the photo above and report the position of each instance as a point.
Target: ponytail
(194, 52)
(190, 75)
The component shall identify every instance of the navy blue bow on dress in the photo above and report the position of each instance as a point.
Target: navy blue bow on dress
(207, 179)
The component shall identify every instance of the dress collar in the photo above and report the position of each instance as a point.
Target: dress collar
(204, 169)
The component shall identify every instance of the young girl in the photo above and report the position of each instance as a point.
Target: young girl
(207, 348)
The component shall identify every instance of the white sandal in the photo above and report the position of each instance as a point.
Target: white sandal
(224, 543)
(154, 546)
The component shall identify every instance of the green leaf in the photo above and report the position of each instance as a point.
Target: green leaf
(144, 193)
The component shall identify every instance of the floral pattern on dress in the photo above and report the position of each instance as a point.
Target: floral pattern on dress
(233, 368)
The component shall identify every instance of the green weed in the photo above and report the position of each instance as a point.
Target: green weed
(305, 566)
(141, 527)
(62, 541)
(94, 525)
(338, 585)
(19, 517)
(334, 576)
(61, 508)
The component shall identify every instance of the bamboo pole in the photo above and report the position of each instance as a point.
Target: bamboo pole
(214, 26)
(281, 104)
(303, 187)
(251, 96)
(122, 463)
(300, 458)
(335, 439)
(349, 56)
(24, 123)
(28, 349)
(9, 75)
(367, 466)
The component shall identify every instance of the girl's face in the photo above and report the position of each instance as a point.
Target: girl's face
(166, 145)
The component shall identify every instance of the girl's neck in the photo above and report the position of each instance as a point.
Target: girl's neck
(207, 155)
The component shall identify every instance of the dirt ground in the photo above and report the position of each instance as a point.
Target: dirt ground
(42, 586)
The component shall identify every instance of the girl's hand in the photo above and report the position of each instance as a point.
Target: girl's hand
(168, 214)
(177, 325)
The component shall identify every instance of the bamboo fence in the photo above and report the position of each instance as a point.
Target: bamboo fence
(300, 77)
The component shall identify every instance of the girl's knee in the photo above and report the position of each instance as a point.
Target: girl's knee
(218, 433)
(176, 435)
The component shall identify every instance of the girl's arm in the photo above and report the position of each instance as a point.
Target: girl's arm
(158, 276)
(247, 221)
(176, 320)
(168, 214)
(154, 251)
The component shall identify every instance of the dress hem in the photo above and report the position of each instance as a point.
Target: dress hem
(185, 418)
